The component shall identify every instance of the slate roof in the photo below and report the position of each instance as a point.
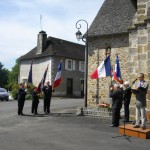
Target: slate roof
(114, 17)
(58, 47)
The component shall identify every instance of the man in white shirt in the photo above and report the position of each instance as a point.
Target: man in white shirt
(140, 92)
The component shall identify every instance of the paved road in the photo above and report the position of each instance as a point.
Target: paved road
(62, 130)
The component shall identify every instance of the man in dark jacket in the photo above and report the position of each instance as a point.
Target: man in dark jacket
(21, 98)
(35, 101)
(47, 90)
(127, 96)
(116, 95)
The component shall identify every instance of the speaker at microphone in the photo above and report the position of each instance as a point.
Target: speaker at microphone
(134, 81)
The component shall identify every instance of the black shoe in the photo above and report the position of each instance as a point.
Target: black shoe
(136, 126)
(22, 114)
(143, 127)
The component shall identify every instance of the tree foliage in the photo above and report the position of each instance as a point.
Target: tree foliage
(13, 75)
(4, 75)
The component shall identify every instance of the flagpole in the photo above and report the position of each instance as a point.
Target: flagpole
(97, 86)
(41, 84)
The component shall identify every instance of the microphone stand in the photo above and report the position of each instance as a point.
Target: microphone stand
(124, 134)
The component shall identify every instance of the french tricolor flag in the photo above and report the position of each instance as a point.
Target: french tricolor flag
(117, 73)
(58, 78)
(103, 70)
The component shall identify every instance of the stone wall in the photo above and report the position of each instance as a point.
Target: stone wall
(98, 89)
(139, 48)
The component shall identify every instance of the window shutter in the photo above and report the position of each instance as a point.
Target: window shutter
(74, 65)
(66, 64)
(79, 65)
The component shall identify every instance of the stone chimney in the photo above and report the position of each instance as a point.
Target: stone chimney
(41, 42)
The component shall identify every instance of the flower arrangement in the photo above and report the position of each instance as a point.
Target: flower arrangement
(104, 105)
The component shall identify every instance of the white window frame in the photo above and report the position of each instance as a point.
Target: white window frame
(69, 66)
(24, 80)
(81, 66)
(72, 64)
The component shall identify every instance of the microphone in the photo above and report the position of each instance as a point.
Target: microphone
(134, 81)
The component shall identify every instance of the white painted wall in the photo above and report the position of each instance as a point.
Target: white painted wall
(38, 68)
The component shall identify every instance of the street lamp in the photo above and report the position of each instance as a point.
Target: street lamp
(84, 39)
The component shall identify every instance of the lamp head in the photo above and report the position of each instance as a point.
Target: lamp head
(78, 35)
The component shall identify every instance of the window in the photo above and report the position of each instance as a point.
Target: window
(81, 66)
(24, 80)
(69, 64)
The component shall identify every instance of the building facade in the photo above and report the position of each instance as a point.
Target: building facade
(49, 52)
(122, 26)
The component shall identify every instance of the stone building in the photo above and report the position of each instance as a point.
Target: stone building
(50, 51)
(124, 26)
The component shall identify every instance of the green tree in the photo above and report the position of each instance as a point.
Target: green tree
(13, 75)
(4, 73)
(13, 80)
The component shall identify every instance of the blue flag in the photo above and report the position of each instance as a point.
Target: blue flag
(117, 73)
(30, 74)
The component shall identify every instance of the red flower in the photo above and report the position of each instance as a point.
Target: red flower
(104, 105)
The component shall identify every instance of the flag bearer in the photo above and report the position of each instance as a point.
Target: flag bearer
(47, 90)
(21, 98)
(35, 101)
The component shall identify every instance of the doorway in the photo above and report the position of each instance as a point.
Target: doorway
(82, 88)
(69, 86)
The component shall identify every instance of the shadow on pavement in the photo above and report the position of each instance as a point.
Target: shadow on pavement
(37, 115)
(62, 114)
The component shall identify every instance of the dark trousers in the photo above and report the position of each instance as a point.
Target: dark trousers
(126, 110)
(20, 106)
(47, 102)
(34, 106)
(115, 116)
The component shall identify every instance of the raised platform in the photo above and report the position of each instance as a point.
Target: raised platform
(135, 132)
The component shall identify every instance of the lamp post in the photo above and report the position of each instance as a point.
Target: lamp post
(84, 39)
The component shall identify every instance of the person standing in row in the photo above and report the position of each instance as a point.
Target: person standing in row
(140, 92)
(21, 98)
(47, 90)
(35, 101)
(126, 98)
(116, 94)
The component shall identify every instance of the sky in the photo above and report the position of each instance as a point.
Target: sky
(22, 20)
